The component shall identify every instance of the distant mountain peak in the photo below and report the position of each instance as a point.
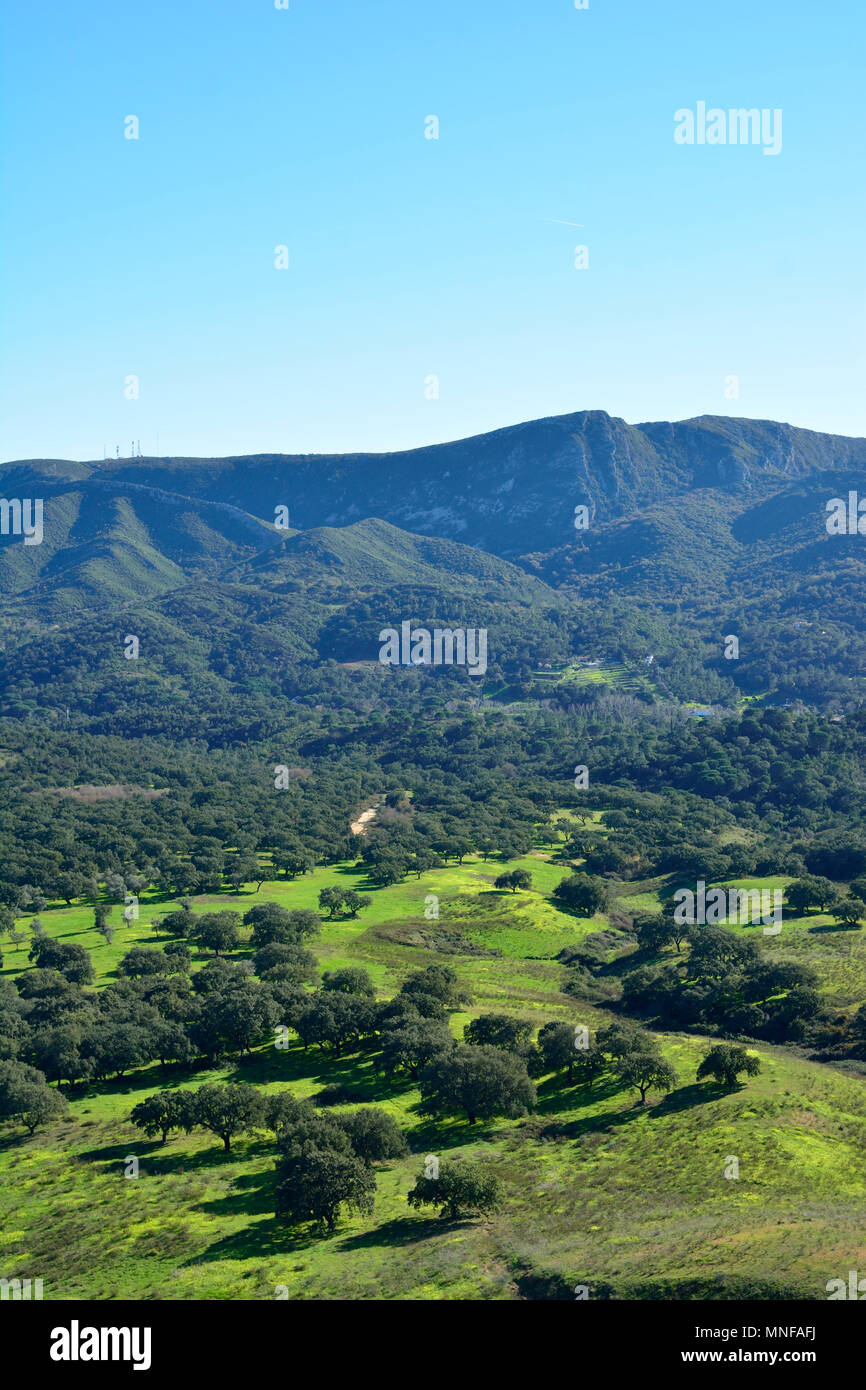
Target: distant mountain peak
(510, 491)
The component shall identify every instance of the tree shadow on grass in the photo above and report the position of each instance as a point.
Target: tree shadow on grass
(402, 1230)
(354, 1071)
(181, 1161)
(834, 926)
(599, 1124)
(263, 1066)
(12, 1138)
(355, 870)
(258, 1239)
(361, 882)
(159, 897)
(684, 1098)
(434, 1136)
(556, 1097)
(116, 1153)
(269, 1237)
(150, 1077)
(162, 1161)
(251, 1194)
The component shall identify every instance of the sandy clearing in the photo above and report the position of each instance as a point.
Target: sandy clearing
(358, 826)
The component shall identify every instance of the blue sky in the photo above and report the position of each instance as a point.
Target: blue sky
(413, 258)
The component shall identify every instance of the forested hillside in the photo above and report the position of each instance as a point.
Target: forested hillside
(331, 943)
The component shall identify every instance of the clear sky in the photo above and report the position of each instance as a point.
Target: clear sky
(412, 258)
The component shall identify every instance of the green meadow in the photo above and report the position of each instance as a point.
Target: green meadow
(632, 1201)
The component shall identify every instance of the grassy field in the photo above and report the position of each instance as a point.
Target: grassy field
(610, 673)
(599, 1190)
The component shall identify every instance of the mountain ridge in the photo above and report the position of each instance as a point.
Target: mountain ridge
(510, 491)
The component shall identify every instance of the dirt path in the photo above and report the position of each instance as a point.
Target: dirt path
(358, 826)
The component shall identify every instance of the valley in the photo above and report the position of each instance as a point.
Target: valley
(342, 928)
